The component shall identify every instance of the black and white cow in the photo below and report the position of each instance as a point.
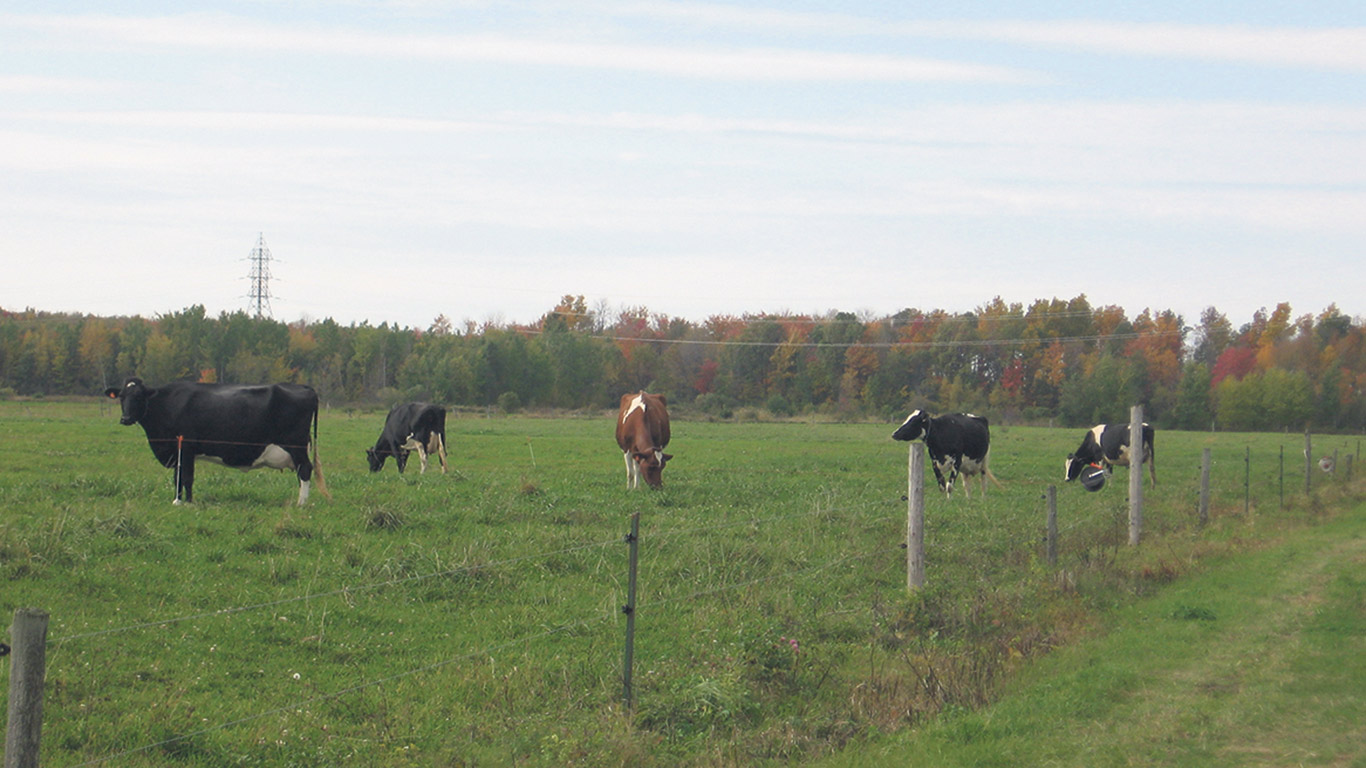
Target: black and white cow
(244, 427)
(1107, 445)
(409, 427)
(958, 443)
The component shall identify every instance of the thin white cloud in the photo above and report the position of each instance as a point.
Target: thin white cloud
(1341, 49)
(39, 84)
(702, 62)
(1338, 48)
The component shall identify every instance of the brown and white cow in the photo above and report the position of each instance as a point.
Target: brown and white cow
(643, 433)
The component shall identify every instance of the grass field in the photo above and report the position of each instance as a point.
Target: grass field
(474, 618)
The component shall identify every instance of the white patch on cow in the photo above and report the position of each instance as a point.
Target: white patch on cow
(914, 413)
(1122, 460)
(303, 492)
(274, 457)
(637, 402)
(409, 444)
(1095, 433)
(632, 471)
(971, 466)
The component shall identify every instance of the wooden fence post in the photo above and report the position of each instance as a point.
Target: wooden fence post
(1204, 487)
(1052, 525)
(633, 539)
(1135, 475)
(1247, 479)
(1308, 463)
(27, 672)
(915, 520)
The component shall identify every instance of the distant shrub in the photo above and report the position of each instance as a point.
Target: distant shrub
(715, 404)
(778, 406)
(510, 402)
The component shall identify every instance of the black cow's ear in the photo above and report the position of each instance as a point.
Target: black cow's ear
(668, 456)
(111, 393)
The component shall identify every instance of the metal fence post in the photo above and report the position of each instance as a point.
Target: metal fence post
(632, 539)
(24, 731)
(1135, 474)
(1052, 548)
(1204, 487)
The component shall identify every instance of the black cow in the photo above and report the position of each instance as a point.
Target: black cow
(1107, 445)
(409, 427)
(958, 443)
(244, 427)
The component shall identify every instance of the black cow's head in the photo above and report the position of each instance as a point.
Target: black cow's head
(651, 464)
(913, 427)
(1072, 467)
(375, 458)
(133, 397)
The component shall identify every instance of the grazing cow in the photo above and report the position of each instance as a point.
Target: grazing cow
(244, 427)
(643, 433)
(409, 427)
(1106, 446)
(958, 443)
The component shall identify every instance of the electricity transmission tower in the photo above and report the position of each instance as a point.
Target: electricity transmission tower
(259, 296)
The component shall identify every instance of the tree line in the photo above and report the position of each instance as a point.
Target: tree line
(1056, 359)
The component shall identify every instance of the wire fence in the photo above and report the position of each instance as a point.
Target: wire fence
(1019, 529)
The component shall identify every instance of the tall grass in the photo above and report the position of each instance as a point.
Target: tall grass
(475, 618)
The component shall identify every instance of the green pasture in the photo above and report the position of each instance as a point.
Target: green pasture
(475, 618)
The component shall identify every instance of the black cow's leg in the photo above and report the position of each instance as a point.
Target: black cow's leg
(939, 477)
(305, 472)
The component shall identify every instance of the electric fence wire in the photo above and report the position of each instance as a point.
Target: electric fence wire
(331, 593)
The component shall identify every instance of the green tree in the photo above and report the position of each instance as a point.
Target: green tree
(1194, 408)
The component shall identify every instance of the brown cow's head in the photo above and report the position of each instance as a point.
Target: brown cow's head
(651, 464)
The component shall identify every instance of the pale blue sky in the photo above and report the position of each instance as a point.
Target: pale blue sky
(481, 159)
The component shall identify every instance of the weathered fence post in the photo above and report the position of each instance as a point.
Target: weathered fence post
(1247, 479)
(632, 539)
(1347, 476)
(1308, 463)
(1052, 547)
(1135, 474)
(1282, 476)
(27, 672)
(915, 521)
(1204, 487)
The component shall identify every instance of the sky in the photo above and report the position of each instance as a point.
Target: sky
(479, 160)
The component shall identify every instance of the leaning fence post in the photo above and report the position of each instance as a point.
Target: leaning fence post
(1135, 474)
(632, 539)
(1204, 487)
(27, 672)
(1052, 525)
(915, 521)
(1247, 479)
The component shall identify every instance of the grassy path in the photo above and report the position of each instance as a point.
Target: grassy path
(1260, 660)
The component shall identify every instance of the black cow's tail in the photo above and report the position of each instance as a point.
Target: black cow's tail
(318, 468)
